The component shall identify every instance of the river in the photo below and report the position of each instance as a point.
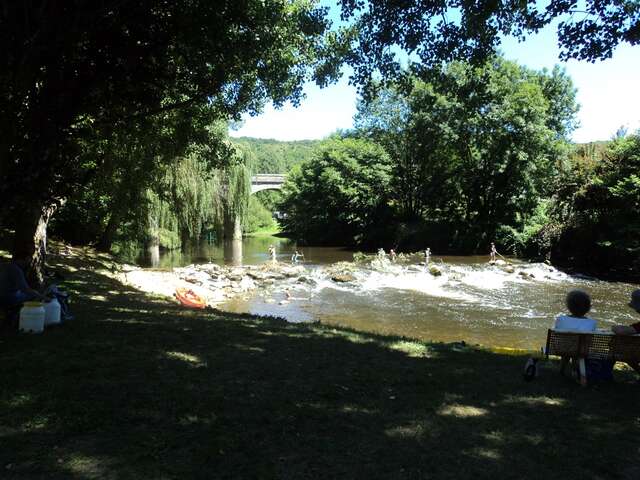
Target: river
(471, 301)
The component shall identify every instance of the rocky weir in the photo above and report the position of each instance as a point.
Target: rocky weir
(508, 303)
(218, 284)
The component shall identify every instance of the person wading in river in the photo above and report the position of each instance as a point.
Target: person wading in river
(295, 258)
(493, 253)
(272, 253)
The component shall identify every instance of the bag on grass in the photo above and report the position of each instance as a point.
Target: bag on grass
(599, 370)
(63, 300)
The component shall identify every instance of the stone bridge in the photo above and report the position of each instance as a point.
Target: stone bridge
(266, 181)
(259, 182)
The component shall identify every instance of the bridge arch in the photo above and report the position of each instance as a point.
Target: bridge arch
(266, 181)
(259, 182)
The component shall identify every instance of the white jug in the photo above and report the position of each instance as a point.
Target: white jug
(52, 313)
(32, 317)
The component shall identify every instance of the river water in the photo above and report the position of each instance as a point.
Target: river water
(471, 301)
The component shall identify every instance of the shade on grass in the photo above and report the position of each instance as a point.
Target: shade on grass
(137, 387)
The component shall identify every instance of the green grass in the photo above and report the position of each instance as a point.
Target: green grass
(265, 231)
(137, 387)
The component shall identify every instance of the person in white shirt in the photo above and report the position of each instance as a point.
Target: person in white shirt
(578, 303)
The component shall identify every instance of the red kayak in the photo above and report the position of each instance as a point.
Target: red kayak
(189, 298)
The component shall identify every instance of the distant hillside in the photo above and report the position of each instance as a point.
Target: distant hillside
(274, 156)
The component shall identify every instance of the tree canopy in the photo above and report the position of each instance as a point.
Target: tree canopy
(274, 156)
(476, 145)
(471, 152)
(433, 31)
(74, 74)
(594, 221)
(339, 194)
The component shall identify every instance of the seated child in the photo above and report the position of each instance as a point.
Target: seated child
(578, 303)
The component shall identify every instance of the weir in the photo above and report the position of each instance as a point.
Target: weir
(504, 304)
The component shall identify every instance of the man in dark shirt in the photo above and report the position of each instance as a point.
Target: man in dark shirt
(634, 328)
(14, 288)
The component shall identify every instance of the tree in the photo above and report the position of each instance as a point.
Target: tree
(79, 71)
(273, 156)
(339, 194)
(168, 197)
(596, 202)
(475, 146)
(431, 32)
(120, 168)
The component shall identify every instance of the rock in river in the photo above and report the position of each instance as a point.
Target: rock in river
(435, 271)
(343, 278)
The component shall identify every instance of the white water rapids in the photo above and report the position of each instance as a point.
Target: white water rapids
(505, 305)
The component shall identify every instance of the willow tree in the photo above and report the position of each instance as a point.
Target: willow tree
(201, 191)
(69, 69)
(195, 197)
(236, 189)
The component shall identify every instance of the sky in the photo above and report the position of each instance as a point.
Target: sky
(608, 93)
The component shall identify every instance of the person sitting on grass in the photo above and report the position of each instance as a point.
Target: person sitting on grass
(634, 328)
(14, 289)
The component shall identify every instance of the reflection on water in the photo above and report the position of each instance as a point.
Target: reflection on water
(232, 252)
(470, 301)
(249, 251)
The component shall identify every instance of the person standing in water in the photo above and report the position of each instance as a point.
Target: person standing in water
(493, 252)
(272, 253)
(296, 256)
(427, 256)
(392, 255)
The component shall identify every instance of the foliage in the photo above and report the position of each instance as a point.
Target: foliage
(111, 86)
(474, 148)
(534, 238)
(430, 32)
(175, 201)
(271, 156)
(274, 156)
(339, 194)
(597, 204)
(258, 217)
(76, 75)
(270, 199)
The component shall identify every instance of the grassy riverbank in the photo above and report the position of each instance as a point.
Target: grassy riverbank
(266, 231)
(137, 387)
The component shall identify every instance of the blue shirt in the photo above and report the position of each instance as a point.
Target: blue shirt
(11, 280)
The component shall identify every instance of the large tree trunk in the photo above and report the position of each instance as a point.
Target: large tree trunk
(30, 241)
(232, 227)
(185, 240)
(106, 239)
(152, 243)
